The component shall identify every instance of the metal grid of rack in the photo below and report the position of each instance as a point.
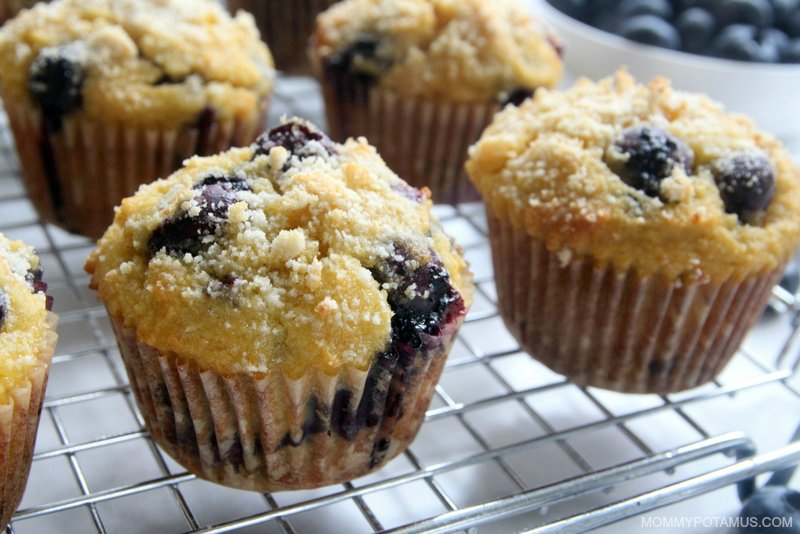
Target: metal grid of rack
(507, 444)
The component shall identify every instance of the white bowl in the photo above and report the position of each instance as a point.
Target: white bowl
(768, 93)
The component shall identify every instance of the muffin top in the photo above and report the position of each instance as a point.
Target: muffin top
(295, 253)
(23, 314)
(644, 177)
(152, 63)
(465, 50)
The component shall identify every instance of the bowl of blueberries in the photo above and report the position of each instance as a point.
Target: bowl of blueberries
(744, 53)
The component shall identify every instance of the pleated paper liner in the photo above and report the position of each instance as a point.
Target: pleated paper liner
(19, 420)
(9, 8)
(424, 141)
(285, 26)
(77, 175)
(615, 329)
(273, 433)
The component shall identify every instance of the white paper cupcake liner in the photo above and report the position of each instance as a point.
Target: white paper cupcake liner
(614, 329)
(272, 432)
(76, 176)
(19, 421)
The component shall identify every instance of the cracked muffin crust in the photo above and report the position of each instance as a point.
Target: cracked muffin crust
(298, 270)
(27, 343)
(644, 177)
(637, 231)
(153, 63)
(465, 51)
(422, 78)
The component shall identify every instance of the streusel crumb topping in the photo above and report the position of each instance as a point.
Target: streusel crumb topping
(23, 316)
(145, 62)
(467, 50)
(642, 176)
(270, 256)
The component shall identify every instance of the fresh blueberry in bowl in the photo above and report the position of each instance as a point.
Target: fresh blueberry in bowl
(772, 509)
(649, 155)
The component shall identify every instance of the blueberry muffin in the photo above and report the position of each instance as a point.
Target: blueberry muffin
(284, 310)
(27, 342)
(422, 78)
(104, 95)
(286, 26)
(637, 231)
(9, 8)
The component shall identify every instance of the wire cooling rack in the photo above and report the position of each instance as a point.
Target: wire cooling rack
(507, 445)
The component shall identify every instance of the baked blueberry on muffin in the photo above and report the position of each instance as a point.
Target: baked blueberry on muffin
(27, 342)
(637, 231)
(284, 310)
(286, 26)
(422, 78)
(105, 95)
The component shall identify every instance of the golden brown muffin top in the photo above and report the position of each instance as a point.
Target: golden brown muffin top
(642, 176)
(156, 63)
(462, 50)
(23, 316)
(284, 255)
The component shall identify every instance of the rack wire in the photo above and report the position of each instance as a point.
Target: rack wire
(507, 445)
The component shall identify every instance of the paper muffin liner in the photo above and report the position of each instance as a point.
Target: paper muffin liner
(286, 26)
(273, 432)
(424, 141)
(614, 329)
(9, 8)
(19, 420)
(77, 175)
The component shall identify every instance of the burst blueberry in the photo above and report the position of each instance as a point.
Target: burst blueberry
(360, 59)
(298, 138)
(3, 307)
(184, 233)
(746, 183)
(518, 96)
(55, 83)
(652, 155)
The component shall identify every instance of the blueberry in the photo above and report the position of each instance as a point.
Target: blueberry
(771, 503)
(792, 25)
(233, 183)
(183, 233)
(631, 8)
(652, 156)
(757, 13)
(595, 8)
(34, 278)
(773, 44)
(422, 299)
(296, 137)
(650, 30)
(518, 96)
(577, 9)
(696, 26)
(791, 52)
(55, 82)
(3, 307)
(738, 42)
(783, 9)
(746, 183)
(360, 59)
